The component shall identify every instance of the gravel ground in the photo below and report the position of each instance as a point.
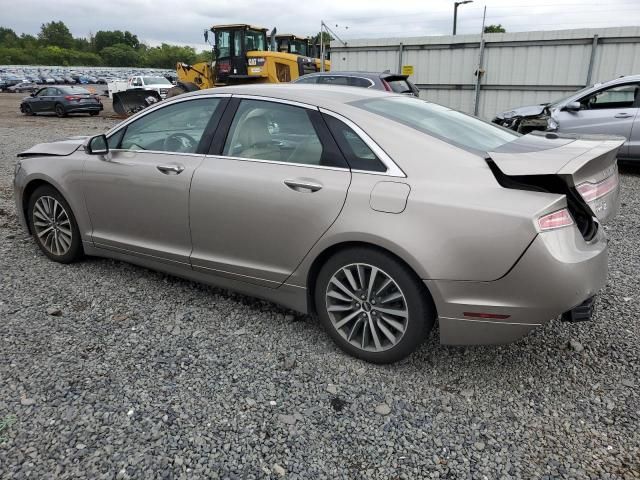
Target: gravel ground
(142, 375)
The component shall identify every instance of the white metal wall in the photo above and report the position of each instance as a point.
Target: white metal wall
(519, 68)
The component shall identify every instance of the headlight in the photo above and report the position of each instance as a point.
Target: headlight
(552, 124)
(510, 114)
(17, 167)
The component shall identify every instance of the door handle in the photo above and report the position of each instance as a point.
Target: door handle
(303, 185)
(170, 169)
(623, 115)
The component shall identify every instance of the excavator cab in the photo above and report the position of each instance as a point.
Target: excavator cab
(290, 43)
(231, 44)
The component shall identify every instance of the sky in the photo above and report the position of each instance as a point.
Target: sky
(182, 22)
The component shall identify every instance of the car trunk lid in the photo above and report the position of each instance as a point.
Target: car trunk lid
(585, 164)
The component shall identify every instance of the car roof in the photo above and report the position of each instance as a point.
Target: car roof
(330, 96)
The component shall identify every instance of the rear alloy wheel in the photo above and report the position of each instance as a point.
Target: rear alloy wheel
(53, 225)
(60, 111)
(372, 305)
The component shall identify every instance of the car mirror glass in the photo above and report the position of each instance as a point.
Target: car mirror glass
(97, 145)
(573, 106)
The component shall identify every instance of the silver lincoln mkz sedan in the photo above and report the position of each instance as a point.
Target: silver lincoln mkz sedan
(377, 212)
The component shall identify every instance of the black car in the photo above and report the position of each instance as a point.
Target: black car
(61, 100)
(388, 81)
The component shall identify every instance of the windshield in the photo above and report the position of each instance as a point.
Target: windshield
(255, 41)
(299, 47)
(449, 125)
(155, 81)
(558, 101)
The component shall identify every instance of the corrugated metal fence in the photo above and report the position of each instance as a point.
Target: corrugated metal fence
(517, 68)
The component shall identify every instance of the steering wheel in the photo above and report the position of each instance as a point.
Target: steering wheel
(180, 142)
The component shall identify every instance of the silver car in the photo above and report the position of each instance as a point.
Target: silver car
(379, 213)
(609, 108)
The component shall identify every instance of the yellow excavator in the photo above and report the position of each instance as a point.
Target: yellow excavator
(243, 55)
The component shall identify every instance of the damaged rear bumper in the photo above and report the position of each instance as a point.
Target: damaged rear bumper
(558, 272)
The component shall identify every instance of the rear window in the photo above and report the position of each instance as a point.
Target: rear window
(449, 125)
(399, 86)
(76, 90)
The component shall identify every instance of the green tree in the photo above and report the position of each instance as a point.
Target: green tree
(326, 37)
(8, 37)
(120, 55)
(494, 29)
(109, 38)
(166, 56)
(55, 34)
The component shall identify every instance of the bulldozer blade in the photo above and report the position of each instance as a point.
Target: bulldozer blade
(128, 102)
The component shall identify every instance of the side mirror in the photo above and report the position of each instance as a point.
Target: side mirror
(97, 145)
(32, 94)
(573, 106)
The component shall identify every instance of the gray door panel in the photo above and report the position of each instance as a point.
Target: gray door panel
(634, 139)
(606, 121)
(247, 223)
(139, 201)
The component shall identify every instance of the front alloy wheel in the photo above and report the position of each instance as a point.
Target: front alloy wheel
(53, 225)
(373, 305)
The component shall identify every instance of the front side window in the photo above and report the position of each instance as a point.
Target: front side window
(175, 128)
(441, 122)
(223, 44)
(621, 96)
(334, 80)
(273, 131)
(42, 92)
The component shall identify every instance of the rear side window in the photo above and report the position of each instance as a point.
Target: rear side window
(360, 82)
(357, 152)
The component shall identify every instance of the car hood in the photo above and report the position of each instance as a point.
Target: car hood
(528, 111)
(58, 149)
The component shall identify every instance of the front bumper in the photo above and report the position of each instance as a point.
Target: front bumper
(558, 272)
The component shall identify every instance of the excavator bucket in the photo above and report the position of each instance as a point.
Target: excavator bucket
(128, 102)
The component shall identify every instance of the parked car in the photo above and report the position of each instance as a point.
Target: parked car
(61, 100)
(381, 213)
(391, 82)
(604, 108)
(23, 87)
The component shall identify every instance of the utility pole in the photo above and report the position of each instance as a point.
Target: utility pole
(455, 13)
(325, 28)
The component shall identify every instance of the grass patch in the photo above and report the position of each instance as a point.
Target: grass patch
(5, 424)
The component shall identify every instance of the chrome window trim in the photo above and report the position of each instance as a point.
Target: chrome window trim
(393, 170)
(158, 152)
(161, 104)
(279, 162)
(294, 103)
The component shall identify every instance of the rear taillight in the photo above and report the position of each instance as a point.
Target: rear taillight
(71, 98)
(593, 191)
(386, 86)
(559, 219)
(224, 67)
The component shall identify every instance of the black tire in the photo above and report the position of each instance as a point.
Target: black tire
(27, 110)
(93, 114)
(421, 312)
(60, 111)
(74, 251)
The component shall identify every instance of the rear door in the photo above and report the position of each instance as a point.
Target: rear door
(274, 183)
(610, 111)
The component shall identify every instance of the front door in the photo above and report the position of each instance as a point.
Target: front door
(138, 195)
(610, 111)
(278, 185)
